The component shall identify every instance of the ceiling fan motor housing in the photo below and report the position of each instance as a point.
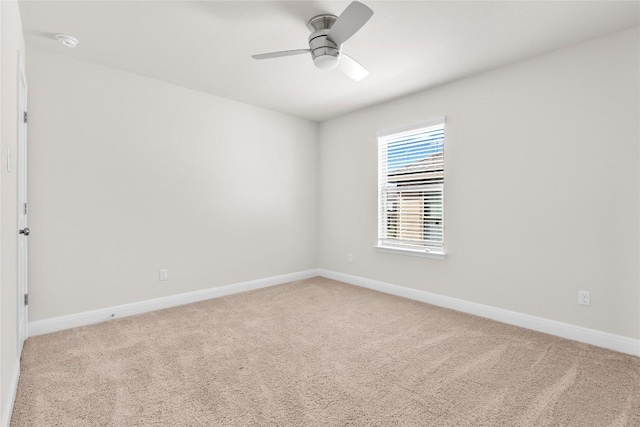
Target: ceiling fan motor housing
(324, 52)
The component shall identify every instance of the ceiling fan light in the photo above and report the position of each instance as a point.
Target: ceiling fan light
(326, 62)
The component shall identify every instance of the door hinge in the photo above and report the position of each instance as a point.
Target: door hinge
(25, 117)
(25, 209)
(26, 299)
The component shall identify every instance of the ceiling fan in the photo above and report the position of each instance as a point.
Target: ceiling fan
(328, 33)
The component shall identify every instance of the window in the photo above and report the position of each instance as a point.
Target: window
(411, 188)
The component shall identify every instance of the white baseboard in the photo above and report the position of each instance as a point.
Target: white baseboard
(7, 408)
(565, 330)
(552, 327)
(55, 324)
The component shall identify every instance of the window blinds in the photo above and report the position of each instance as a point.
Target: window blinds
(411, 187)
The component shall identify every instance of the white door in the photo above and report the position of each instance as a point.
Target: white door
(23, 224)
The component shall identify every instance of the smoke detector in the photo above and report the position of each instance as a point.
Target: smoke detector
(67, 40)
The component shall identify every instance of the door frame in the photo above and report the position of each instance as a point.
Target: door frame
(22, 209)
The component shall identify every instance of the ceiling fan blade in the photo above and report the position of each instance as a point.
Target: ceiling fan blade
(281, 53)
(349, 22)
(352, 68)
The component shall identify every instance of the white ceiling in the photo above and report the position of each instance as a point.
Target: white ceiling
(406, 46)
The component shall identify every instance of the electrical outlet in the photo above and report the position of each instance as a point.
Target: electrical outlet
(350, 258)
(164, 274)
(584, 298)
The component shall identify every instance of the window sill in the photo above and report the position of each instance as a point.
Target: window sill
(412, 252)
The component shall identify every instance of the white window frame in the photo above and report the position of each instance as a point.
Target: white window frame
(383, 242)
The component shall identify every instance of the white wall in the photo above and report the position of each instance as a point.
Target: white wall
(541, 189)
(12, 44)
(129, 175)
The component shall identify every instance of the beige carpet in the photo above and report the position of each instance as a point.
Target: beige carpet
(320, 353)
